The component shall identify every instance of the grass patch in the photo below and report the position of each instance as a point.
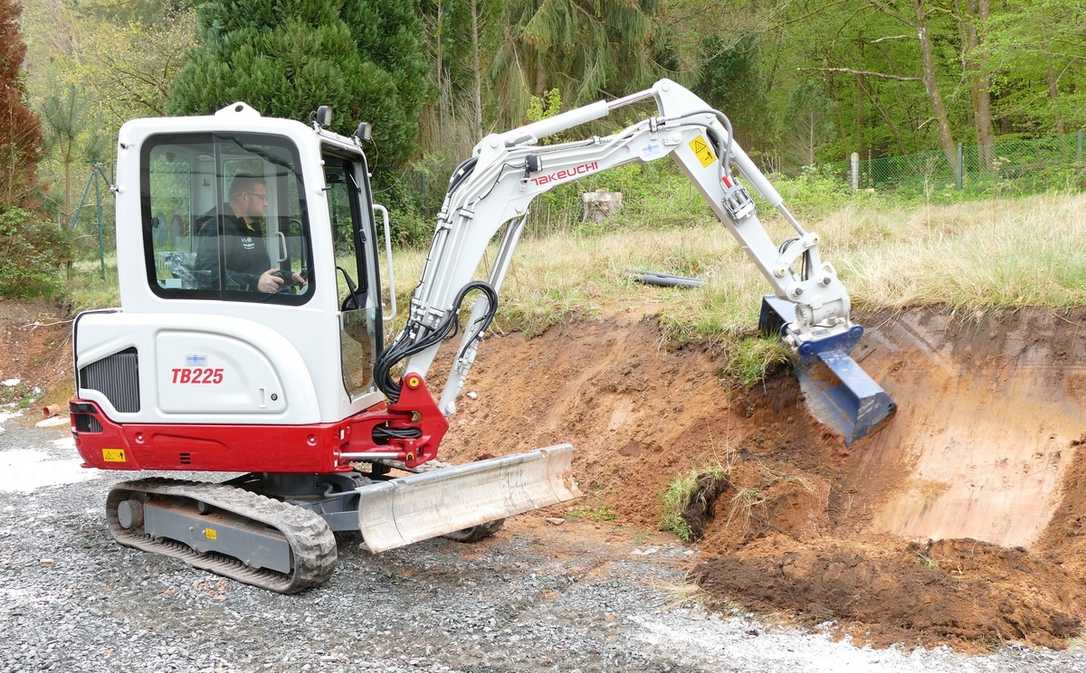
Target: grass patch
(596, 513)
(753, 358)
(743, 504)
(19, 396)
(681, 494)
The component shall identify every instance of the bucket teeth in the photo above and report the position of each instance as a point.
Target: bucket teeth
(837, 390)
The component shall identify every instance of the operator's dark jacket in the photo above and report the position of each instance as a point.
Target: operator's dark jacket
(244, 251)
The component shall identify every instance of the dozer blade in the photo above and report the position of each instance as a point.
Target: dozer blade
(837, 390)
(430, 504)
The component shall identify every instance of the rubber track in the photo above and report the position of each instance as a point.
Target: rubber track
(311, 541)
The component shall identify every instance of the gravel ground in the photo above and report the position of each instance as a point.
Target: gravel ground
(535, 598)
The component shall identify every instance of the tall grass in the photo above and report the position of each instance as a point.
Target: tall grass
(973, 256)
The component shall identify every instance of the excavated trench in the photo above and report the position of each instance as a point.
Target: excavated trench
(962, 521)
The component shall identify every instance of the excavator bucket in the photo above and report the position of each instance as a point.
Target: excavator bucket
(837, 390)
(409, 509)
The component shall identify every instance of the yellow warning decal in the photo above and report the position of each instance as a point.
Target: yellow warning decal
(114, 456)
(211, 534)
(702, 150)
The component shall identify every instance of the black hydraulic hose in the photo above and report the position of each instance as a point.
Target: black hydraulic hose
(412, 340)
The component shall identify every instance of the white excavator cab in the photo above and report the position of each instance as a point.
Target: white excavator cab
(265, 220)
(249, 261)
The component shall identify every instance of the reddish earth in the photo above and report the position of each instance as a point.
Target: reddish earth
(962, 521)
(35, 347)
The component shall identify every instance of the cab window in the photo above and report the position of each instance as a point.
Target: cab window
(224, 217)
(352, 236)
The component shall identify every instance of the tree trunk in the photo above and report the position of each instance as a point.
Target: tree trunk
(477, 88)
(540, 74)
(811, 140)
(861, 102)
(67, 162)
(1053, 93)
(860, 119)
(439, 57)
(976, 11)
(927, 61)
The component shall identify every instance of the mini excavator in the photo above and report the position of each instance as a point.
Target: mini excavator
(251, 333)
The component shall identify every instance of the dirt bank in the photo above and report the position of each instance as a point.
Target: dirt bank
(982, 458)
(35, 347)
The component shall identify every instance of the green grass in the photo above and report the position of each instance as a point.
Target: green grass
(598, 513)
(21, 395)
(753, 358)
(680, 491)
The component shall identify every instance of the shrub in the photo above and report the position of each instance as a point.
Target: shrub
(35, 252)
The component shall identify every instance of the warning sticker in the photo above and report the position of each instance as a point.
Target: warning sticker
(113, 455)
(702, 150)
(211, 534)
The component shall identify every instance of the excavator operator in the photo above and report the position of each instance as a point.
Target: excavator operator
(248, 266)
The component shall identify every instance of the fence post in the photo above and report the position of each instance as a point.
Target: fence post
(101, 232)
(959, 175)
(854, 172)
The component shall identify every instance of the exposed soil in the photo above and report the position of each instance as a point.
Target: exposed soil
(963, 592)
(35, 347)
(981, 458)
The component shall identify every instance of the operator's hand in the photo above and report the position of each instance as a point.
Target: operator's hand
(299, 279)
(269, 282)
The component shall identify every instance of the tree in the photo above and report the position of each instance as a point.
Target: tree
(1034, 53)
(66, 119)
(586, 48)
(975, 15)
(20, 130)
(286, 57)
(127, 78)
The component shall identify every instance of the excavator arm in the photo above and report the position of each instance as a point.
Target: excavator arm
(809, 308)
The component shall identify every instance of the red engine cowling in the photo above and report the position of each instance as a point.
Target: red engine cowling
(316, 448)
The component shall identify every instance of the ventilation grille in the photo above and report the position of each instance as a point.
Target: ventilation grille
(116, 377)
(185, 458)
(87, 423)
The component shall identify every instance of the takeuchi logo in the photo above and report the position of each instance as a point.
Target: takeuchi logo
(562, 174)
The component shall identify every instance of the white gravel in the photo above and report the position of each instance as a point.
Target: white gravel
(546, 599)
(27, 470)
(6, 416)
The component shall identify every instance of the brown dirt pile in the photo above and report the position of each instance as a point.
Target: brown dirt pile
(963, 592)
(987, 433)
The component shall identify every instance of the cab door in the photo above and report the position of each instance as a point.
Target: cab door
(357, 273)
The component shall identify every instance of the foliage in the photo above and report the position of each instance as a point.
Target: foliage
(362, 58)
(20, 131)
(585, 47)
(132, 53)
(1030, 42)
(754, 358)
(34, 253)
(541, 107)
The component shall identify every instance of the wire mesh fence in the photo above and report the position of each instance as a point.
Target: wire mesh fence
(1014, 165)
